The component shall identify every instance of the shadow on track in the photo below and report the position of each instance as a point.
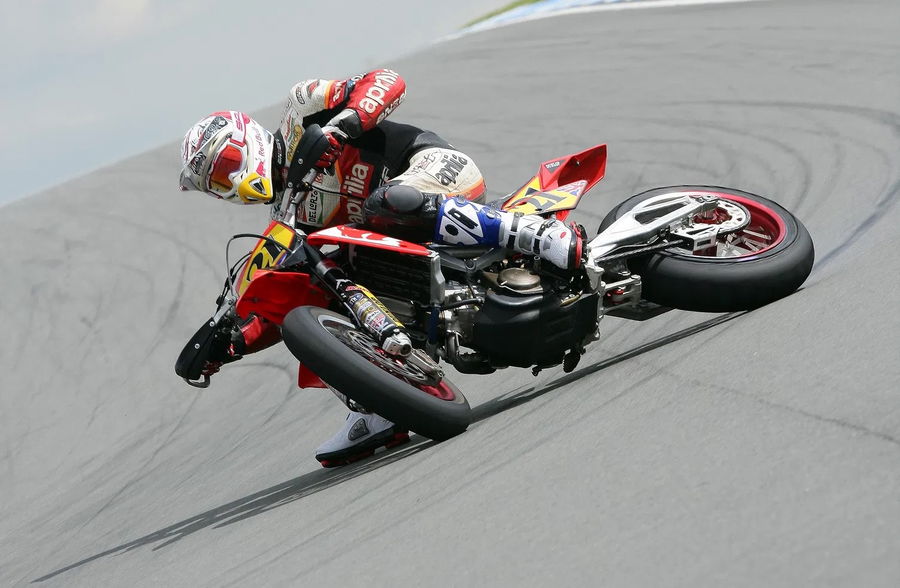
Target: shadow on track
(504, 403)
(318, 480)
(256, 503)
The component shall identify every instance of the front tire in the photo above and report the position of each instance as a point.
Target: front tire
(331, 346)
(766, 259)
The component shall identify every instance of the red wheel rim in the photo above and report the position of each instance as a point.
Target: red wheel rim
(765, 230)
(442, 391)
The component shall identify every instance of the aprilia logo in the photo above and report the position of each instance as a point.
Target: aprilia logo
(453, 164)
(357, 182)
(374, 98)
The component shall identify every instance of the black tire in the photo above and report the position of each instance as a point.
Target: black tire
(678, 279)
(307, 335)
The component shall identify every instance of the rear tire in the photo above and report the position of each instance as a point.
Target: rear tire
(317, 338)
(777, 261)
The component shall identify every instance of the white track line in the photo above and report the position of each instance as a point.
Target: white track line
(498, 21)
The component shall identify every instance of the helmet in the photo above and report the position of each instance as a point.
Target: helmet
(228, 155)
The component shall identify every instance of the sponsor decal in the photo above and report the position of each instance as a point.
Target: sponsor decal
(453, 164)
(296, 133)
(373, 301)
(459, 223)
(374, 98)
(278, 144)
(337, 92)
(240, 128)
(196, 163)
(539, 201)
(313, 208)
(299, 94)
(311, 87)
(267, 254)
(575, 188)
(211, 129)
(357, 182)
(354, 211)
(391, 108)
(260, 144)
(553, 165)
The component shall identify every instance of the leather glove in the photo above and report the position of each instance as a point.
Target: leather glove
(336, 138)
(228, 346)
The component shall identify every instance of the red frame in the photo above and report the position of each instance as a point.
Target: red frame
(342, 234)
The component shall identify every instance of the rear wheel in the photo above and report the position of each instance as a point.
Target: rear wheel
(402, 390)
(763, 253)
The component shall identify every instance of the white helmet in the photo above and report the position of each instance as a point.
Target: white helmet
(228, 155)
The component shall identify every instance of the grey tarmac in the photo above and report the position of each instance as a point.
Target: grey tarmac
(754, 449)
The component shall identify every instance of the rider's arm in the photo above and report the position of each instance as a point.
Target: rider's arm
(374, 96)
(358, 104)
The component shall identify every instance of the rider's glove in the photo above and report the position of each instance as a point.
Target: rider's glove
(336, 139)
(228, 346)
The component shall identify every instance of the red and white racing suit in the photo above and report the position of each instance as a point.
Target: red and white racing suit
(378, 152)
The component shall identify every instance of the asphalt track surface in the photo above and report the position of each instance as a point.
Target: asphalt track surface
(690, 450)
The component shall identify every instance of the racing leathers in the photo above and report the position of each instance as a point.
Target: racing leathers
(373, 153)
(399, 179)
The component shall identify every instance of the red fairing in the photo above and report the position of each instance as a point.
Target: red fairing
(273, 294)
(376, 95)
(258, 334)
(351, 236)
(307, 379)
(588, 165)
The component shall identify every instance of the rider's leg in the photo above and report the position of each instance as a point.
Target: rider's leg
(434, 168)
(457, 221)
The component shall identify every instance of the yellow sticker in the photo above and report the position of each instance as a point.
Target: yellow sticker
(532, 201)
(267, 254)
(379, 304)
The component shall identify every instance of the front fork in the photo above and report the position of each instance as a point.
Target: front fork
(369, 314)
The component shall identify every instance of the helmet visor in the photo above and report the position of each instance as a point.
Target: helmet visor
(228, 161)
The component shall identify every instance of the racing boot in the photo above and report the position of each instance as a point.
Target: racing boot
(360, 437)
(403, 211)
(461, 222)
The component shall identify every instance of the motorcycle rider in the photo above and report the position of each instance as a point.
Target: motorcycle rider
(415, 185)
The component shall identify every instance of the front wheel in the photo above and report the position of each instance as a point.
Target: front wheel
(350, 361)
(763, 253)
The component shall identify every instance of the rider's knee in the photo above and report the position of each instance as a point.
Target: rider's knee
(402, 211)
(439, 170)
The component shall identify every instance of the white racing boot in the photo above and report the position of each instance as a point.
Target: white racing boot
(461, 222)
(360, 437)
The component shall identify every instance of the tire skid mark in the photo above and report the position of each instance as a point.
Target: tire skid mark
(142, 474)
(888, 199)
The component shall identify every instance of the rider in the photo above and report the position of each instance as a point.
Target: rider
(415, 185)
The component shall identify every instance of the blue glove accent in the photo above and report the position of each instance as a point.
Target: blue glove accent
(461, 222)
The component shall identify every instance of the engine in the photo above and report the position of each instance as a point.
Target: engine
(525, 321)
(508, 317)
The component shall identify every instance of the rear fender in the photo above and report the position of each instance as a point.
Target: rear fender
(559, 184)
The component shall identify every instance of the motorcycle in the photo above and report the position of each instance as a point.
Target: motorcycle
(337, 292)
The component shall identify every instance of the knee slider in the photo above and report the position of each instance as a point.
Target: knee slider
(403, 199)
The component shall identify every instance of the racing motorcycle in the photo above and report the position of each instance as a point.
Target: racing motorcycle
(340, 292)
